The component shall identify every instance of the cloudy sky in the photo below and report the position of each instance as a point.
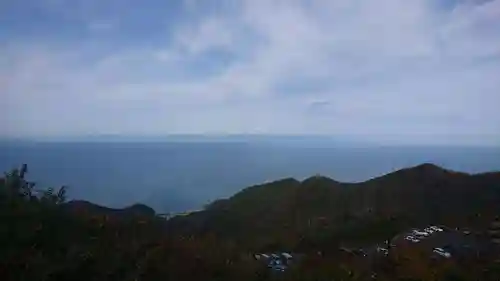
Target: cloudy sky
(398, 71)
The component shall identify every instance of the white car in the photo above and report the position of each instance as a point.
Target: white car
(429, 230)
(435, 228)
(412, 239)
(420, 233)
(382, 250)
(442, 252)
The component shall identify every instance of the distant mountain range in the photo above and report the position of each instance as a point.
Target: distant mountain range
(333, 230)
(219, 138)
(136, 210)
(295, 215)
(287, 212)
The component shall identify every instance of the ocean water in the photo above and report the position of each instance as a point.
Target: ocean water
(177, 176)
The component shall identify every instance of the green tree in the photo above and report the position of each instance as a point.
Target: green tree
(48, 196)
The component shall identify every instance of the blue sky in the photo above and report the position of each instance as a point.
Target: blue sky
(391, 71)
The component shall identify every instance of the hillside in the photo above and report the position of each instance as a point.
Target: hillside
(43, 237)
(285, 211)
(136, 210)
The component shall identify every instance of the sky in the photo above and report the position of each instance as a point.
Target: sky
(390, 71)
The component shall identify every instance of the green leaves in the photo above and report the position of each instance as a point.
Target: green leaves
(49, 197)
(15, 187)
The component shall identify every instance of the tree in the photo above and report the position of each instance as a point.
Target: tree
(48, 196)
(15, 186)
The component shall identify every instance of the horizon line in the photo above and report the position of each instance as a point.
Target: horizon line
(214, 137)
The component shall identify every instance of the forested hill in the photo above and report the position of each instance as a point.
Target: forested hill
(286, 211)
(43, 237)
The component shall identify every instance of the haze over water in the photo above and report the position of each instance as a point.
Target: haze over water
(177, 176)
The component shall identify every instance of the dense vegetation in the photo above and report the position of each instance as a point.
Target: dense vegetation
(322, 210)
(43, 237)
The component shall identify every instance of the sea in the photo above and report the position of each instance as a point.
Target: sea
(176, 175)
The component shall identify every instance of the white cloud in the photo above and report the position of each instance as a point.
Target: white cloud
(210, 34)
(396, 71)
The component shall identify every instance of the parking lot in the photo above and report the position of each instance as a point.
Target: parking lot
(442, 241)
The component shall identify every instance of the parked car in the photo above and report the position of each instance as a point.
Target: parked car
(429, 230)
(382, 250)
(420, 233)
(435, 228)
(442, 252)
(412, 239)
